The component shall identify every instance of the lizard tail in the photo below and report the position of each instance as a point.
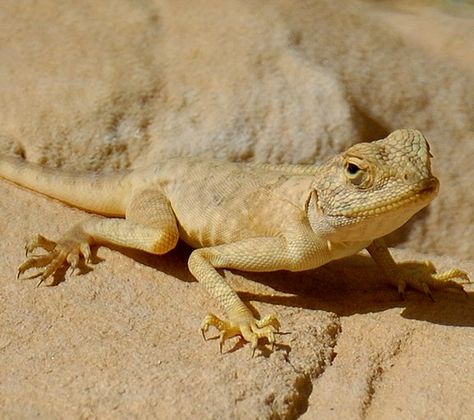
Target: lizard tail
(102, 194)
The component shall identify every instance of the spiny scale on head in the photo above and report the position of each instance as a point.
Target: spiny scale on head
(389, 176)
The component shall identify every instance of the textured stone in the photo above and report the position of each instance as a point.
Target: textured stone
(96, 86)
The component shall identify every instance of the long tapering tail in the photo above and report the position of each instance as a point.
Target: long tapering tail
(100, 193)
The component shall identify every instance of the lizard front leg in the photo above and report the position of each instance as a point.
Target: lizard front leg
(255, 254)
(422, 278)
(150, 225)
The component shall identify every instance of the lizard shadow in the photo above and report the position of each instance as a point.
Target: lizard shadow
(173, 263)
(170, 263)
(346, 287)
(354, 286)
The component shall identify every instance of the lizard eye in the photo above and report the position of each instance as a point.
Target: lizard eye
(357, 174)
(352, 168)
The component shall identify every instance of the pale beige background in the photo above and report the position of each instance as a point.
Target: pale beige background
(107, 85)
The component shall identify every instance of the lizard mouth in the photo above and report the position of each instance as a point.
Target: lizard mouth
(423, 192)
(429, 187)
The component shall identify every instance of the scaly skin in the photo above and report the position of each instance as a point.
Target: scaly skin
(249, 217)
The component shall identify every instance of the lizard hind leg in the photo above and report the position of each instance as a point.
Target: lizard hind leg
(149, 226)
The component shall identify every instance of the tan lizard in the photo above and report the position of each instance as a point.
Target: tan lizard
(248, 217)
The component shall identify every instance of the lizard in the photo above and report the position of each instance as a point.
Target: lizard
(246, 216)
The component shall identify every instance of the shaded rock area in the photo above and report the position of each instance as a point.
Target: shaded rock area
(102, 86)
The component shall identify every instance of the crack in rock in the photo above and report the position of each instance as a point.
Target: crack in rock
(383, 362)
(297, 401)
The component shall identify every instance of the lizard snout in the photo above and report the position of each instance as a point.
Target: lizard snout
(429, 186)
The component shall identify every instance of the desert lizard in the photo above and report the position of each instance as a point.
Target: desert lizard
(250, 217)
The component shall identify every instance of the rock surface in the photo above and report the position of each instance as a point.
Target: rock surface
(91, 86)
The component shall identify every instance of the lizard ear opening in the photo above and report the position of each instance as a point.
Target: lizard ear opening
(312, 210)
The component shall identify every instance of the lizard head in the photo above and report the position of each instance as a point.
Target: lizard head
(373, 188)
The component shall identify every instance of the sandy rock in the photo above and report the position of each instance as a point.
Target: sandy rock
(397, 361)
(90, 86)
(166, 81)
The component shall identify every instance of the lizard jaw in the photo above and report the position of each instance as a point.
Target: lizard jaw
(422, 193)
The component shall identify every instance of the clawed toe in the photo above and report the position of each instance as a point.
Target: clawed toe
(33, 262)
(454, 277)
(39, 241)
(426, 280)
(57, 254)
(250, 330)
(269, 321)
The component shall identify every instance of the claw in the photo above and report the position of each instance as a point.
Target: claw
(221, 341)
(86, 252)
(427, 291)
(73, 260)
(40, 282)
(401, 289)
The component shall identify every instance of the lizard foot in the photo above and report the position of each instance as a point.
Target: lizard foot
(423, 277)
(248, 327)
(67, 250)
